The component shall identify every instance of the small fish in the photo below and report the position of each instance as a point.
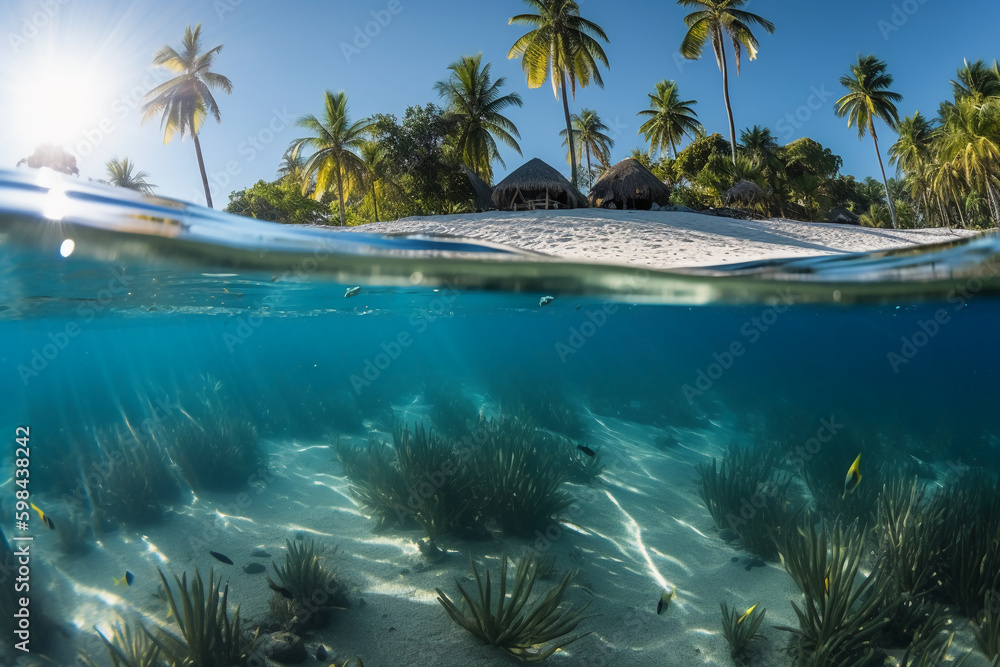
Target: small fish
(279, 589)
(45, 519)
(546, 300)
(664, 602)
(853, 477)
(254, 568)
(826, 584)
(586, 450)
(746, 615)
(223, 557)
(352, 291)
(127, 579)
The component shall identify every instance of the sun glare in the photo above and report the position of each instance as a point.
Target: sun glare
(56, 102)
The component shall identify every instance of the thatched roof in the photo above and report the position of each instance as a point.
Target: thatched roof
(629, 184)
(481, 188)
(843, 216)
(536, 181)
(747, 193)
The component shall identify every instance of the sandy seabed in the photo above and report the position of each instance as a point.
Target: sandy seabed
(637, 527)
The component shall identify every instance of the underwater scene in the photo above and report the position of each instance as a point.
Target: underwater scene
(237, 443)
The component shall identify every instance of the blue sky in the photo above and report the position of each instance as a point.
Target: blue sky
(74, 70)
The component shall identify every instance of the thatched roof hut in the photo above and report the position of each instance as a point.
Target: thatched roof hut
(536, 185)
(629, 185)
(746, 193)
(482, 190)
(842, 216)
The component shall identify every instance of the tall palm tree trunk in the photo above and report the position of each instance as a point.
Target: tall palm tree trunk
(590, 171)
(569, 132)
(673, 147)
(375, 201)
(725, 93)
(201, 166)
(885, 181)
(340, 195)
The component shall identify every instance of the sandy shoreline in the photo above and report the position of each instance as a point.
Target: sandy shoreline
(662, 239)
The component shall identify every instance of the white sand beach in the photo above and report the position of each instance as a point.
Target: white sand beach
(662, 239)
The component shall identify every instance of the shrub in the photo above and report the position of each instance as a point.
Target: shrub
(502, 618)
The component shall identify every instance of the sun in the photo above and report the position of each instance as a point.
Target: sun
(58, 101)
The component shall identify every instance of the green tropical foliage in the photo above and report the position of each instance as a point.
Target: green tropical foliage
(716, 20)
(335, 143)
(123, 174)
(589, 137)
(563, 48)
(278, 201)
(185, 101)
(869, 98)
(669, 118)
(422, 163)
(475, 99)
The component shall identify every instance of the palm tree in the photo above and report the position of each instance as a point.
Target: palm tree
(876, 216)
(869, 98)
(912, 153)
(335, 144)
(373, 154)
(185, 101)
(977, 79)
(713, 18)
(871, 192)
(670, 118)
(475, 99)
(121, 175)
(969, 142)
(761, 148)
(563, 48)
(291, 165)
(588, 135)
(641, 156)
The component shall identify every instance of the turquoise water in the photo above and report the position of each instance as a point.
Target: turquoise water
(164, 322)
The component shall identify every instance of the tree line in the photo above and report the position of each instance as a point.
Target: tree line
(384, 167)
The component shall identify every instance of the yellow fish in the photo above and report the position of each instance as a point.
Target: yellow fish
(746, 615)
(853, 477)
(45, 519)
(127, 579)
(664, 602)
